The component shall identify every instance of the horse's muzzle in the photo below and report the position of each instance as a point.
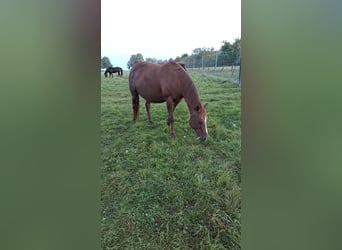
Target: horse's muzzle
(202, 138)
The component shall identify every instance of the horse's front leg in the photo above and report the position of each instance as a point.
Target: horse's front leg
(170, 119)
(148, 106)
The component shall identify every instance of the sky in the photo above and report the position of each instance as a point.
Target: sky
(166, 29)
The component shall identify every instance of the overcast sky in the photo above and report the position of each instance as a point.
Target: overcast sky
(166, 29)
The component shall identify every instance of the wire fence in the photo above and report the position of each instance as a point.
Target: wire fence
(216, 64)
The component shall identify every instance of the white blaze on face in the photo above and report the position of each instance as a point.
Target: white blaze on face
(205, 124)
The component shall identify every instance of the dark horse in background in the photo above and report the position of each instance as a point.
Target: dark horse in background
(168, 83)
(111, 70)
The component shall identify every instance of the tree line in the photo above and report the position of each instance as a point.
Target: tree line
(228, 55)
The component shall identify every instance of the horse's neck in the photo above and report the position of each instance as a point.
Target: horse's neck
(191, 96)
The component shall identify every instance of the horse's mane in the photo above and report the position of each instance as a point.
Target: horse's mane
(191, 94)
(182, 64)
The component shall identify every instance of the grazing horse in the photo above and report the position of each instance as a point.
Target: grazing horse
(111, 70)
(168, 83)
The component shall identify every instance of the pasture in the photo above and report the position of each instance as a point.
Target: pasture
(160, 193)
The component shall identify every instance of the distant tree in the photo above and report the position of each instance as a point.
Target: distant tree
(237, 44)
(105, 62)
(134, 59)
(151, 60)
(230, 53)
(237, 50)
(178, 59)
(196, 51)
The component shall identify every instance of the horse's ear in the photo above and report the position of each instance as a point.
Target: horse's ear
(205, 106)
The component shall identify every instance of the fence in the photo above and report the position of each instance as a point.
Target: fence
(216, 64)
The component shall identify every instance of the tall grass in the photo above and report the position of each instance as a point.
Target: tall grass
(160, 193)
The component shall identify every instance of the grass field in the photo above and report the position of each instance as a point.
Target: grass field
(159, 193)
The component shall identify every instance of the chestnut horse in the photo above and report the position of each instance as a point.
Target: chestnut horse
(168, 83)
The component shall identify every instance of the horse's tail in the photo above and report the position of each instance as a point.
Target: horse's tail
(131, 80)
(121, 71)
(133, 74)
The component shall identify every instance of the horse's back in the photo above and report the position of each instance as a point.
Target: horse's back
(144, 80)
(154, 73)
(146, 75)
(155, 82)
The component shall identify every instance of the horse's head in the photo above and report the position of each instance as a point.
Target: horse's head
(198, 121)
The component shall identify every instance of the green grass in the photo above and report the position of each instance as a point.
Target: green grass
(159, 193)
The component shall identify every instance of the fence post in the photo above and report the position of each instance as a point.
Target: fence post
(240, 74)
(239, 81)
(202, 63)
(215, 61)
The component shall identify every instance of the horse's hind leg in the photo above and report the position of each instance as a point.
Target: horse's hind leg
(170, 119)
(148, 106)
(135, 104)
